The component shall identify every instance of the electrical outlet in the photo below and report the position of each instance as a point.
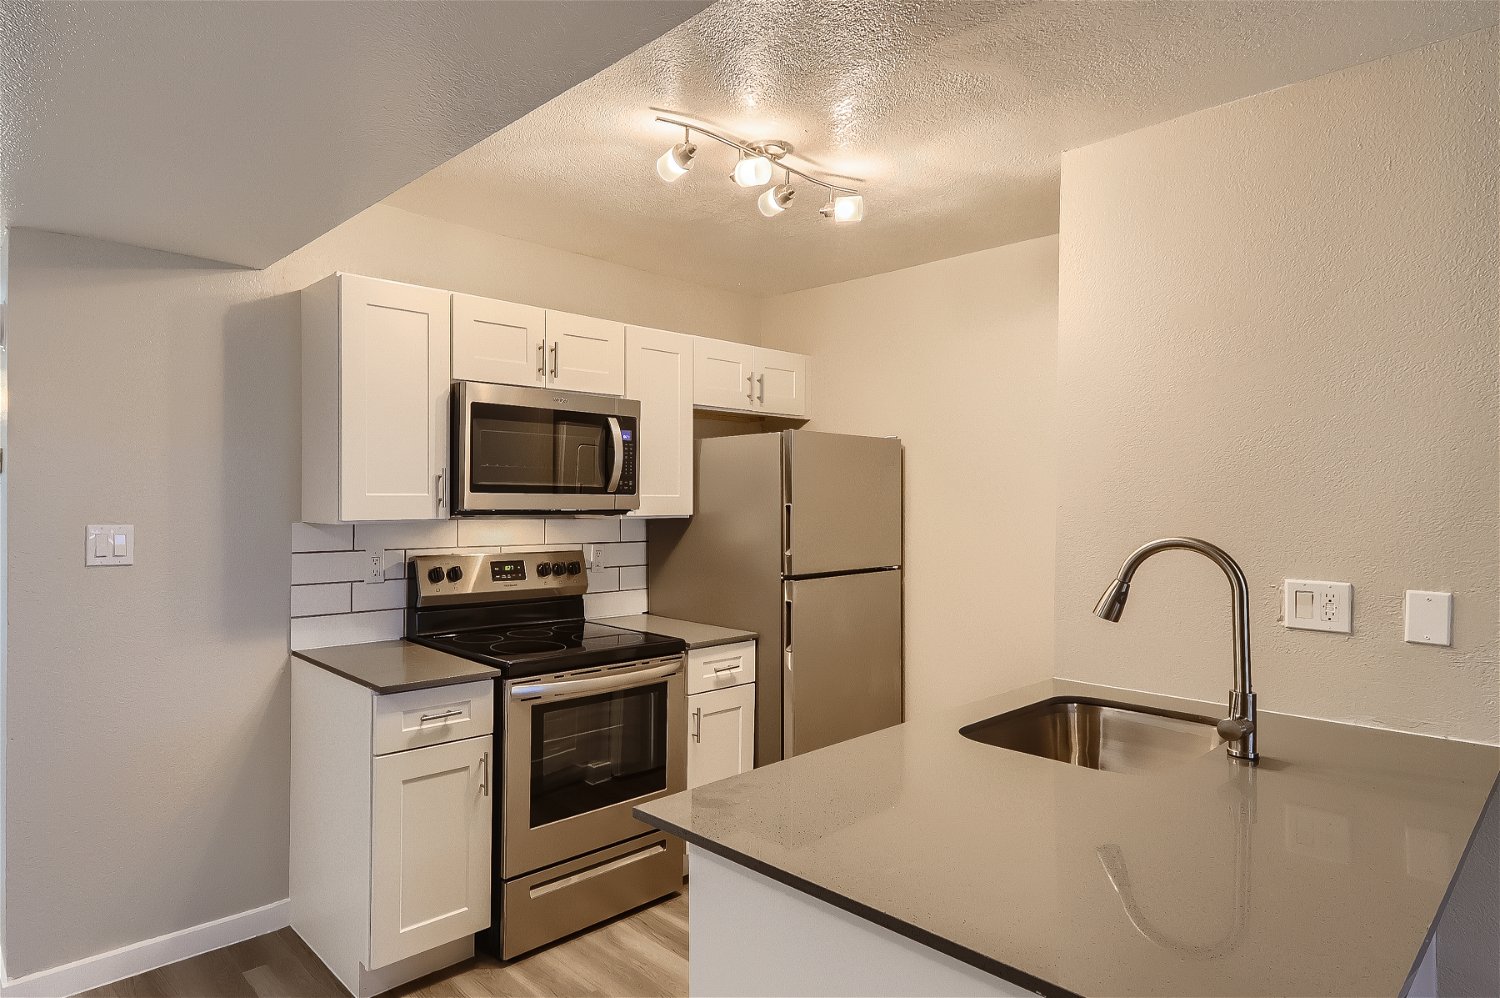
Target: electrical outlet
(374, 566)
(1318, 606)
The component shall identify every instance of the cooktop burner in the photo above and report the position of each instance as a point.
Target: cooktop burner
(552, 646)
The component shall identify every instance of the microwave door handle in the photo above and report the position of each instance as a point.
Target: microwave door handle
(617, 440)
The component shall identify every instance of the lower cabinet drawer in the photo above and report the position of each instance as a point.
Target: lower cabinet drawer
(582, 892)
(433, 716)
(718, 667)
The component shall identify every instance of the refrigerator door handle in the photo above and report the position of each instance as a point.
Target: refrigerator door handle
(786, 538)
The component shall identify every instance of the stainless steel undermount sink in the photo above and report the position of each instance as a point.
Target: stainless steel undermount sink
(1097, 734)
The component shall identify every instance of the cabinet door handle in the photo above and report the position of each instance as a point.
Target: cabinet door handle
(441, 715)
(750, 385)
(697, 724)
(484, 774)
(760, 379)
(442, 493)
(541, 360)
(554, 361)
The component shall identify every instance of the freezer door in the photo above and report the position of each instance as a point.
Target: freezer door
(842, 668)
(843, 502)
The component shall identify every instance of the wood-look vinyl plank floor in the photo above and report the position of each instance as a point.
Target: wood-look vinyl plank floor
(639, 955)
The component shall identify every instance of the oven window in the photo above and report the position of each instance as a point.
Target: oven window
(596, 751)
(522, 449)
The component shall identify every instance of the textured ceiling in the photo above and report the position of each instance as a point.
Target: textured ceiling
(954, 114)
(240, 131)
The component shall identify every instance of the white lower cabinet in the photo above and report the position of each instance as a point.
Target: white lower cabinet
(392, 818)
(430, 848)
(721, 734)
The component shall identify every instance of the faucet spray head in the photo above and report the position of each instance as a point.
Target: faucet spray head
(1112, 604)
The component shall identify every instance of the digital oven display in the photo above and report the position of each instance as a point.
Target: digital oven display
(507, 571)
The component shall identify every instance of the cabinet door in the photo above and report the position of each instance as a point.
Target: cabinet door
(722, 375)
(431, 817)
(393, 400)
(585, 354)
(781, 382)
(498, 341)
(659, 375)
(721, 734)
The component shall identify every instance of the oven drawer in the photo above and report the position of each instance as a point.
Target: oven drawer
(720, 666)
(433, 716)
(562, 899)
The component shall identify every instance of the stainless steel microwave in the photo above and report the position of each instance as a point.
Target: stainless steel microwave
(535, 450)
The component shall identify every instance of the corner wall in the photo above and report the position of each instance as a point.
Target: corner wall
(958, 358)
(1278, 331)
(146, 708)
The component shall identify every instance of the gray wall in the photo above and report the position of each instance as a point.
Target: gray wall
(146, 708)
(1277, 330)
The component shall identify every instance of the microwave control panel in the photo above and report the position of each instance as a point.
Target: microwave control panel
(627, 465)
(480, 578)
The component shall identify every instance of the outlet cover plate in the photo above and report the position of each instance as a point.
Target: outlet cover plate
(1310, 605)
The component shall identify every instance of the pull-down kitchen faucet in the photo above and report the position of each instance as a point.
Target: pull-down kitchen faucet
(1238, 729)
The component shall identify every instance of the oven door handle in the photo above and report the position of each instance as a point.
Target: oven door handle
(617, 441)
(594, 684)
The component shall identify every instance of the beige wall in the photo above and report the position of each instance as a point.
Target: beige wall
(146, 720)
(958, 359)
(1278, 331)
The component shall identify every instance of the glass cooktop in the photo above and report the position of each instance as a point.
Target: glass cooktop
(553, 646)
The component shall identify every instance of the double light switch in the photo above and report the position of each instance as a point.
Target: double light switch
(109, 544)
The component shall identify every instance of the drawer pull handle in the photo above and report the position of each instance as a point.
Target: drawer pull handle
(442, 715)
(728, 668)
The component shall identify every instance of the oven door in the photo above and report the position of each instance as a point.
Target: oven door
(532, 449)
(581, 750)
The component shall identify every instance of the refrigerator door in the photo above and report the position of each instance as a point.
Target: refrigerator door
(842, 668)
(843, 502)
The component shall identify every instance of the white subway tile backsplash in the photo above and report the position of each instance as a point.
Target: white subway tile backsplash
(583, 531)
(381, 596)
(620, 604)
(616, 555)
(333, 605)
(500, 533)
(604, 580)
(311, 601)
(347, 629)
(334, 566)
(417, 534)
(322, 536)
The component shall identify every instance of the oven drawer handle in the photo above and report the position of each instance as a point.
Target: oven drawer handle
(619, 680)
(589, 873)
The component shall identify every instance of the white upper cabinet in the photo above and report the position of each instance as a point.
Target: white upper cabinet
(498, 341)
(659, 375)
(375, 376)
(585, 354)
(743, 378)
(780, 382)
(722, 374)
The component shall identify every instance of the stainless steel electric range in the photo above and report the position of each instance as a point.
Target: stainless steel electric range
(593, 723)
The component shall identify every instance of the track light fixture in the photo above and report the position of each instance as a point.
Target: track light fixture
(753, 168)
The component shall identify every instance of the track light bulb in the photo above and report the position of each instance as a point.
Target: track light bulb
(676, 161)
(845, 208)
(775, 200)
(752, 171)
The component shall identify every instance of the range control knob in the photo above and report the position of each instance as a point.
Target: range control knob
(434, 575)
(558, 568)
(543, 570)
(455, 573)
(574, 568)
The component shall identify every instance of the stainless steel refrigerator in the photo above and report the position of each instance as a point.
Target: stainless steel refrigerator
(797, 536)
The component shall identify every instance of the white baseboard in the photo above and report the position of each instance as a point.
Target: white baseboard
(137, 958)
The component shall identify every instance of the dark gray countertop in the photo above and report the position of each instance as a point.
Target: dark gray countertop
(695, 634)
(1318, 872)
(396, 666)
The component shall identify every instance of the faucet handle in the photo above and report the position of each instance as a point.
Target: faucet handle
(1233, 728)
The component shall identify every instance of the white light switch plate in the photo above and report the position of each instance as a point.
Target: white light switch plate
(1318, 606)
(1429, 617)
(109, 544)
